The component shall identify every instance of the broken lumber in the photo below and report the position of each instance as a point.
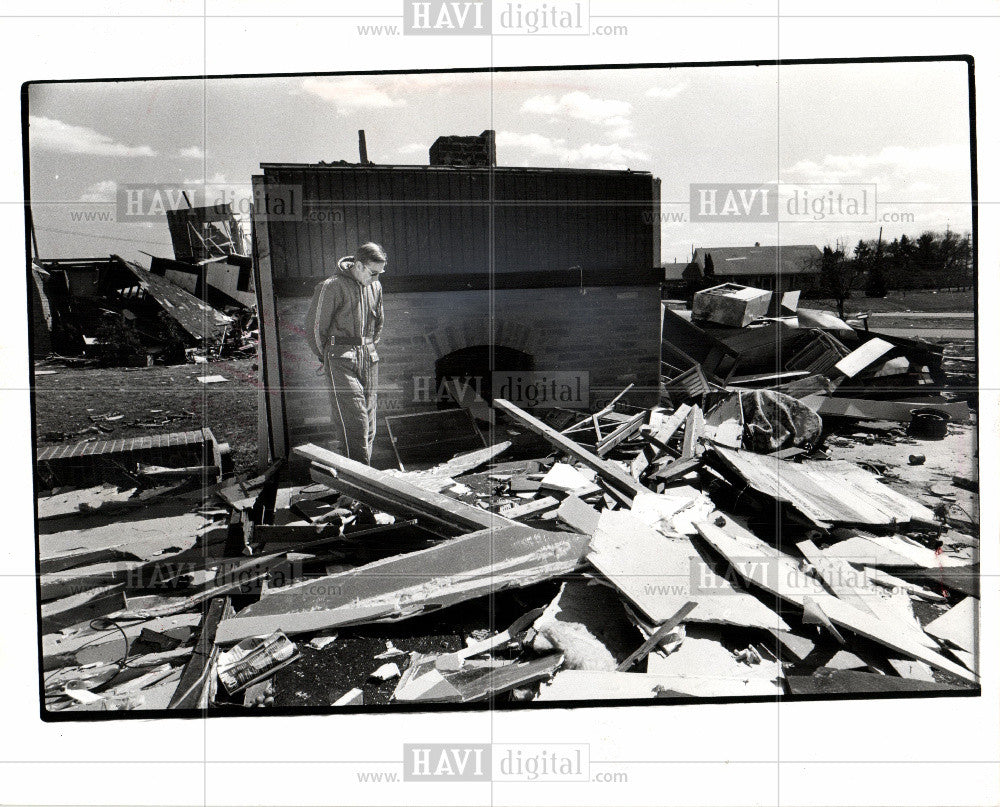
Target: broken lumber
(825, 492)
(658, 636)
(243, 574)
(611, 474)
(403, 586)
(86, 605)
(394, 494)
(192, 689)
(777, 574)
(590, 685)
(864, 356)
(622, 433)
(901, 411)
(534, 507)
(423, 682)
(659, 574)
(694, 428)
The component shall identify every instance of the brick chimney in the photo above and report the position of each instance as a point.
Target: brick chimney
(475, 150)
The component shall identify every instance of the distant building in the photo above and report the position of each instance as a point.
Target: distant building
(784, 268)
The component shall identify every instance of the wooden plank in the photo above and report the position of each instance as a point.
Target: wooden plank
(406, 585)
(779, 575)
(610, 473)
(835, 574)
(862, 409)
(423, 682)
(622, 433)
(826, 492)
(658, 574)
(694, 428)
(864, 356)
(842, 579)
(83, 557)
(269, 347)
(658, 636)
(590, 685)
(243, 574)
(674, 469)
(81, 607)
(191, 689)
(465, 463)
(393, 493)
(534, 507)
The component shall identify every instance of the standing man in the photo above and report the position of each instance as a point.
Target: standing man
(342, 327)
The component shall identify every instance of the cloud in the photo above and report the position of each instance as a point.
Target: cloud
(412, 148)
(892, 161)
(193, 153)
(589, 155)
(50, 134)
(666, 93)
(581, 106)
(350, 94)
(103, 191)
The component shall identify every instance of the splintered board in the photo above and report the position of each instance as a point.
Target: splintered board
(454, 571)
(825, 492)
(426, 439)
(779, 575)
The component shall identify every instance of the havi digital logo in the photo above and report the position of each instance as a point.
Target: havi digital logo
(438, 17)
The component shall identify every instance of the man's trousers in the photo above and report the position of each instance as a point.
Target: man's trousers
(353, 398)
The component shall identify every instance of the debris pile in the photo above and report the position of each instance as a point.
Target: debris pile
(113, 312)
(755, 534)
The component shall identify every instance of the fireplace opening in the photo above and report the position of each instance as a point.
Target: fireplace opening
(467, 373)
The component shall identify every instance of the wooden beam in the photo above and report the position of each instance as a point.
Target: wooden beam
(84, 606)
(608, 472)
(596, 415)
(191, 689)
(622, 433)
(404, 586)
(668, 428)
(694, 427)
(394, 493)
(235, 578)
(269, 345)
(658, 636)
(530, 508)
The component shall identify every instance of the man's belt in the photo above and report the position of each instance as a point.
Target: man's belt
(351, 341)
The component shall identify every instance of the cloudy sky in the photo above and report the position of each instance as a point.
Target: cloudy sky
(901, 126)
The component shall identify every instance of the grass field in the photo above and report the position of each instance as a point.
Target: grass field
(935, 302)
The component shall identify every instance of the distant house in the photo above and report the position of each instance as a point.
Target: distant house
(776, 268)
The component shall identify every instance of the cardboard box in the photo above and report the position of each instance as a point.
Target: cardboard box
(731, 304)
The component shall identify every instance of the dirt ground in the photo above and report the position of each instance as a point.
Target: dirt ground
(69, 401)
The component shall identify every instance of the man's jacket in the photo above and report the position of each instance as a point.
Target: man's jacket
(343, 308)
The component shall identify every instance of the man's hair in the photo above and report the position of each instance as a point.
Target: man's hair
(370, 253)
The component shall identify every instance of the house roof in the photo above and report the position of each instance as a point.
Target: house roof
(793, 259)
(200, 320)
